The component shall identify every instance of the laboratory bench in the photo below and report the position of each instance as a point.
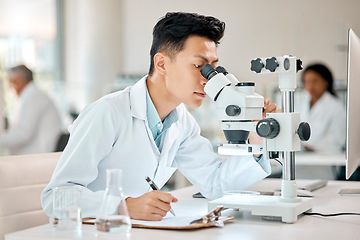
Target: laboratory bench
(326, 200)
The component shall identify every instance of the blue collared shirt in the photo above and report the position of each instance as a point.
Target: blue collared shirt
(156, 126)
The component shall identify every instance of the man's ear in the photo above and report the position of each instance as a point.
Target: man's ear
(159, 63)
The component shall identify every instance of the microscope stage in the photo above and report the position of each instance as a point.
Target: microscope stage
(264, 205)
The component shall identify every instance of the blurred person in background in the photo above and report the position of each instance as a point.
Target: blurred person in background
(37, 125)
(325, 113)
(323, 110)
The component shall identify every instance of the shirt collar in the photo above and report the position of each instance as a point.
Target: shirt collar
(154, 120)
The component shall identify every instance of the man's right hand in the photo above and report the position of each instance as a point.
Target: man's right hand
(151, 206)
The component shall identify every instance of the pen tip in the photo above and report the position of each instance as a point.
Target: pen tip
(147, 179)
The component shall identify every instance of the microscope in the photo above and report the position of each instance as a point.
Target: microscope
(240, 110)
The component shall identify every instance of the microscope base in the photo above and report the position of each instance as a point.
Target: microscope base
(264, 205)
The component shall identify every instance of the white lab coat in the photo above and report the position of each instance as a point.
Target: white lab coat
(327, 119)
(37, 126)
(113, 133)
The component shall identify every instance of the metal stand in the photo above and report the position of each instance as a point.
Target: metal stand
(287, 206)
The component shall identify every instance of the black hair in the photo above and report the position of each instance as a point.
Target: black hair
(171, 32)
(324, 73)
(24, 71)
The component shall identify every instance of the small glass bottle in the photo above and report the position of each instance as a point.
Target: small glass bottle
(113, 215)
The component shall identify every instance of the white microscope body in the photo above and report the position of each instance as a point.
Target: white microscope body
(240, 110)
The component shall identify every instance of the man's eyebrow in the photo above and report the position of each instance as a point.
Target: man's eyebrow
(204, 58)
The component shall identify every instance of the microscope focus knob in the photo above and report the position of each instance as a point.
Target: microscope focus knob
(271, 64)
(257, 65)
(299, 65)
(233, 110)
(268, 128)
(304, 131)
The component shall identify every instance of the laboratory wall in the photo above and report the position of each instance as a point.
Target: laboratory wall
(93, 48)
(106, 38)
(2, 104)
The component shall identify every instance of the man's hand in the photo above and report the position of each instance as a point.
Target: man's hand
(308, 148)
(254, 138)
(269, 107)
(151, 206)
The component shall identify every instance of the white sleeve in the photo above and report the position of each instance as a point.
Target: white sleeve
(212, 175)
(91, 139)
(335, 135)
(31, 111)
(338, 126)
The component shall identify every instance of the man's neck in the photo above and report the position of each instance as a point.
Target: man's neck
(159, 95)
(23, 87)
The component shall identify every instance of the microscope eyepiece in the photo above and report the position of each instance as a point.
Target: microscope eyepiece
(208, 71)
(221, 69)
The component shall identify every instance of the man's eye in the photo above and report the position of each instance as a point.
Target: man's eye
(197, 66)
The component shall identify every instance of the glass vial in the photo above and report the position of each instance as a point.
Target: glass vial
(113, 215)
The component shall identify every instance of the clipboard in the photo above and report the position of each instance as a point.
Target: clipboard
(219, 223)
(211, 219)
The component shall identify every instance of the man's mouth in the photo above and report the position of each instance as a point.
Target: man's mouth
(201, 94)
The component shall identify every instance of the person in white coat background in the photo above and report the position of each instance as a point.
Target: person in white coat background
(146, 130)
(325, 113)
(323, 110)
(37, 125)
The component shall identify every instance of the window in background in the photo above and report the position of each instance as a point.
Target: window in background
(30, 34)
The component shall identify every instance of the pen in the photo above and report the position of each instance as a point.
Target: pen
(154, 187)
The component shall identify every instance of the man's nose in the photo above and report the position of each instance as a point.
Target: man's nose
(203, 81)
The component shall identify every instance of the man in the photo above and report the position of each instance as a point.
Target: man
(147, 131)
(37, 125)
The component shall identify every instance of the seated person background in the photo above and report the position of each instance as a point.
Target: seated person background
(37, 125)
(323, 110)
(325, 113)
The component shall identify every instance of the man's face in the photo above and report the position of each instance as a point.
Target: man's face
(17, 82)
(182, 76)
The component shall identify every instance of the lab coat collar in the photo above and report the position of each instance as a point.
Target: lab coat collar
(138, 110)
(27, 90)
(138, 99)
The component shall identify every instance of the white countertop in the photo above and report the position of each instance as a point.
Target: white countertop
(245, 226)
